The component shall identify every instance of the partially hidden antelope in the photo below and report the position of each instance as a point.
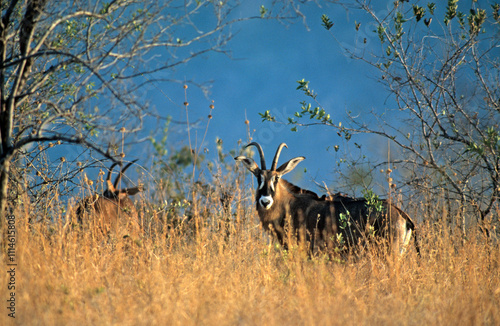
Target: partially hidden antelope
(111, 212)
(332, 223)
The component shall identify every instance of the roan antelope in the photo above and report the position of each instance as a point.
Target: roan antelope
(113, 212)
(331, 223)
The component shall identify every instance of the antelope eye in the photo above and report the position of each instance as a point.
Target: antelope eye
(275, 180)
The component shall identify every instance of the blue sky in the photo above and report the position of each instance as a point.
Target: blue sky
(267, 58)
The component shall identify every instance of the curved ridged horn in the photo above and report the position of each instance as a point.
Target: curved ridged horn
(277, 155)
(261, 153)
(118, 178)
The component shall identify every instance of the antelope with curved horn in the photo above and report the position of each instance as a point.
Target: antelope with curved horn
(113, 211)
(327, 222)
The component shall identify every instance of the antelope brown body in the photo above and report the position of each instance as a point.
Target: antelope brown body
(112, 212)
(327, 222)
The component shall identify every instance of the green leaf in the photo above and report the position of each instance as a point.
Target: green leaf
(419, 12)
(326, 22)
(263, 11)
(451, 11)
(266, 116)
(432, 7)
(380, 31)
(302, 84)
(496, 10)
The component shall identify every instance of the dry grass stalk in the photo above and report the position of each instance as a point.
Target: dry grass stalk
(210, 278)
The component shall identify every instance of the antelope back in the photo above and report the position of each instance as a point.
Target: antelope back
(355, 223)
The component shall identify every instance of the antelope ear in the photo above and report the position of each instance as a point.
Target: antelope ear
(133, 191)
(249, 164)
(289, 166)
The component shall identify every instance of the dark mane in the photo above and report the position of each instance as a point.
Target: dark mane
(296, 190)
(338, 197)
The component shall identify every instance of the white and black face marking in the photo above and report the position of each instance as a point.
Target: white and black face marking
(268, 183)
(268, 179)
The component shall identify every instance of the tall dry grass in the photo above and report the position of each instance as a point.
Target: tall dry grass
(220, 271)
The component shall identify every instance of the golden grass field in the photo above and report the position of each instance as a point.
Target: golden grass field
(205, 274)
